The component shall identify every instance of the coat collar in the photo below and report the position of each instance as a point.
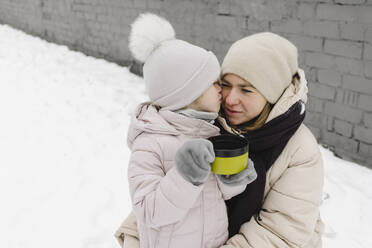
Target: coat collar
(296, 91)
(147, 119)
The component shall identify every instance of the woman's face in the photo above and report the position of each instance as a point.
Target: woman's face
(240, 100)
(209, 101)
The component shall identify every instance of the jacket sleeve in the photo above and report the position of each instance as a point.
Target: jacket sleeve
(228, 191)
(127, 233)
(290, 210)
(159, 198)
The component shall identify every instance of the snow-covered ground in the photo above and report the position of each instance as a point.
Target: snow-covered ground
(63, 122)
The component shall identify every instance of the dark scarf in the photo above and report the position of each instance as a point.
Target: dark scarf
(265, 146)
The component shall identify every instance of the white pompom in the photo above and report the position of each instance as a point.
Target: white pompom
(147, 32)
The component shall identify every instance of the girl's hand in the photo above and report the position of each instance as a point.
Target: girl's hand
(246, 176)
(193, 158)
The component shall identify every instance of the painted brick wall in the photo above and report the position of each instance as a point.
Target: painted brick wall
(334, 38)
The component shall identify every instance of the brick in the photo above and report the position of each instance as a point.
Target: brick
(338, 140)
(343, 48)
(365, 102)
(349, 66)
(258, 25)
(321, 28)
(223, 7)
(368, 36)
(314, 119)
(365, 149)
(305, 43)
(358, 84)
(339, 95)
(337, 12)
(319, 60)
(350, 1)
(301, 58)
(322, 91)
(288, 26)
(367, 52)
(343, 112)
(365, 14)
(329, 123)
(344, 128)
(272, 10)
(368, 69)
(140, 4)
(367, 120)
(314, 104)
(155, 4)
(312, 1)
(363, 134)
(311, 74)
(329, 77)
(352, 31)
(306, 11)
(225, 21)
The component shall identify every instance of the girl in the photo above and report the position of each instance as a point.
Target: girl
(176, 200)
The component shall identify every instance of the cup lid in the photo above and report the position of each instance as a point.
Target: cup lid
(229, 145)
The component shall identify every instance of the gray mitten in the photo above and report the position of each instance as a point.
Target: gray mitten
(193, 158)
(246, 176)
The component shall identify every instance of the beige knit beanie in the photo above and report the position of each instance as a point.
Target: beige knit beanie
(266, 60)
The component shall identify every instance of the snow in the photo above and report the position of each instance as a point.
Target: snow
(63, 160)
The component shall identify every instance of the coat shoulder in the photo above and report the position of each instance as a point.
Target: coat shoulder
(303, 144)
(163, 145)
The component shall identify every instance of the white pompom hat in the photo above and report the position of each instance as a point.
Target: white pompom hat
(175, 72)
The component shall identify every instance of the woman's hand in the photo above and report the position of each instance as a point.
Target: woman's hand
(193, 158)
(244, 177)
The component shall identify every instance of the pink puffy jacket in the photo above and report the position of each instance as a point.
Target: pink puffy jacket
(171, 212)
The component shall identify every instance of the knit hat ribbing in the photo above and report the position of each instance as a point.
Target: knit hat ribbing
(266, 60)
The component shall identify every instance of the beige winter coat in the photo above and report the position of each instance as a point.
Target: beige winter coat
(171, 211)
(290, 211)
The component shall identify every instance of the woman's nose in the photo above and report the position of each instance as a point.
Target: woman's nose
(231, 98)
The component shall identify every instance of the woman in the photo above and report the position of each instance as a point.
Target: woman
(264, 93)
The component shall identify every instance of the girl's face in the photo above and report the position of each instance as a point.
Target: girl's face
(209, 101)
(240, 100)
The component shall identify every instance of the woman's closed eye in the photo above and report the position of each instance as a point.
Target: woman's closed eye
(247, 91)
